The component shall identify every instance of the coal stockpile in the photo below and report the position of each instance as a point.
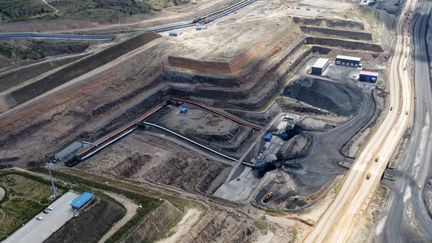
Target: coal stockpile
(337, 98)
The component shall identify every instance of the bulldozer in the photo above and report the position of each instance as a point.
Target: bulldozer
(267, 197)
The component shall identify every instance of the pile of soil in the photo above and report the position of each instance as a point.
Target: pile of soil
(295, 147)
(131, 165)
(336, 98)
(222, 227)
(190, 174)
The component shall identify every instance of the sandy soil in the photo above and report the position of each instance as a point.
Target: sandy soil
(131, 208)
(183, 227)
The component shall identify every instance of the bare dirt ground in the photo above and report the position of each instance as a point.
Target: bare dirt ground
(159, 161)
(269, 54)
(182, 228)
(131, 209)
(206, 128)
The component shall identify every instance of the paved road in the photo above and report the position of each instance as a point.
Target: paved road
(4, 36)
(341, 218)
(405, 212)
(36, 231)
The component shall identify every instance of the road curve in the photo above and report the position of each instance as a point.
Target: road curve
(338, 222)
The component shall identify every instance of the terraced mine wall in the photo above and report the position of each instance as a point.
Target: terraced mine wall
(79, 68)
(356, 35)
(201, 66)
(331, 23)
(262, 82)
(223, 67)
(351, 45)
(180, 76)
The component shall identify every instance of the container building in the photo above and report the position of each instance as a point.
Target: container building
(81, 200)
(348, 61)
(320, 66)
(368, 76)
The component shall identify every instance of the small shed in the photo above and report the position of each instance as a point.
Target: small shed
(268, 137)
(183, 110)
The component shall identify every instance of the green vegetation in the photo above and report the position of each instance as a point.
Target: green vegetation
(147, 203)
(109, 10)
(14, 10)
(6, 51)
(262, 226)
(37, 49)
(106, 11)
(79, 182)
(25, 198)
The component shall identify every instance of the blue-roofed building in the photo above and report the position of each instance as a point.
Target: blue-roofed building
(268, 137)
(183, 110)
(82, 200)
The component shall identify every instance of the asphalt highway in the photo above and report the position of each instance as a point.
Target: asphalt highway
(405, 216)
(5, 36)
(340, 220)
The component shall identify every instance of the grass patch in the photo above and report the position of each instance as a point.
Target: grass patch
(14, 10)
(81, 181)
(147, 203)
(25, 197)
(262, 226)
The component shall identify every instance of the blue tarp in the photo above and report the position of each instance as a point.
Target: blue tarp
(81, 200)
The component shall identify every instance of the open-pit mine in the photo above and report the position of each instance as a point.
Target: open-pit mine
(214, 121)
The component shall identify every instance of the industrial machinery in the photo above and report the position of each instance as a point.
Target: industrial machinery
(267, 197)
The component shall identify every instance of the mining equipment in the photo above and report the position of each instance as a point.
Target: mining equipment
(267, 197)
(196, 20)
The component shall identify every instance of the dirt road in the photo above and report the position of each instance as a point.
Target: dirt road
(339, 221)
(131, 209)
(183, 227)
(2, 193)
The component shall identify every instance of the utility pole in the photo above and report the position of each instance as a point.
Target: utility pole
(53, 187)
